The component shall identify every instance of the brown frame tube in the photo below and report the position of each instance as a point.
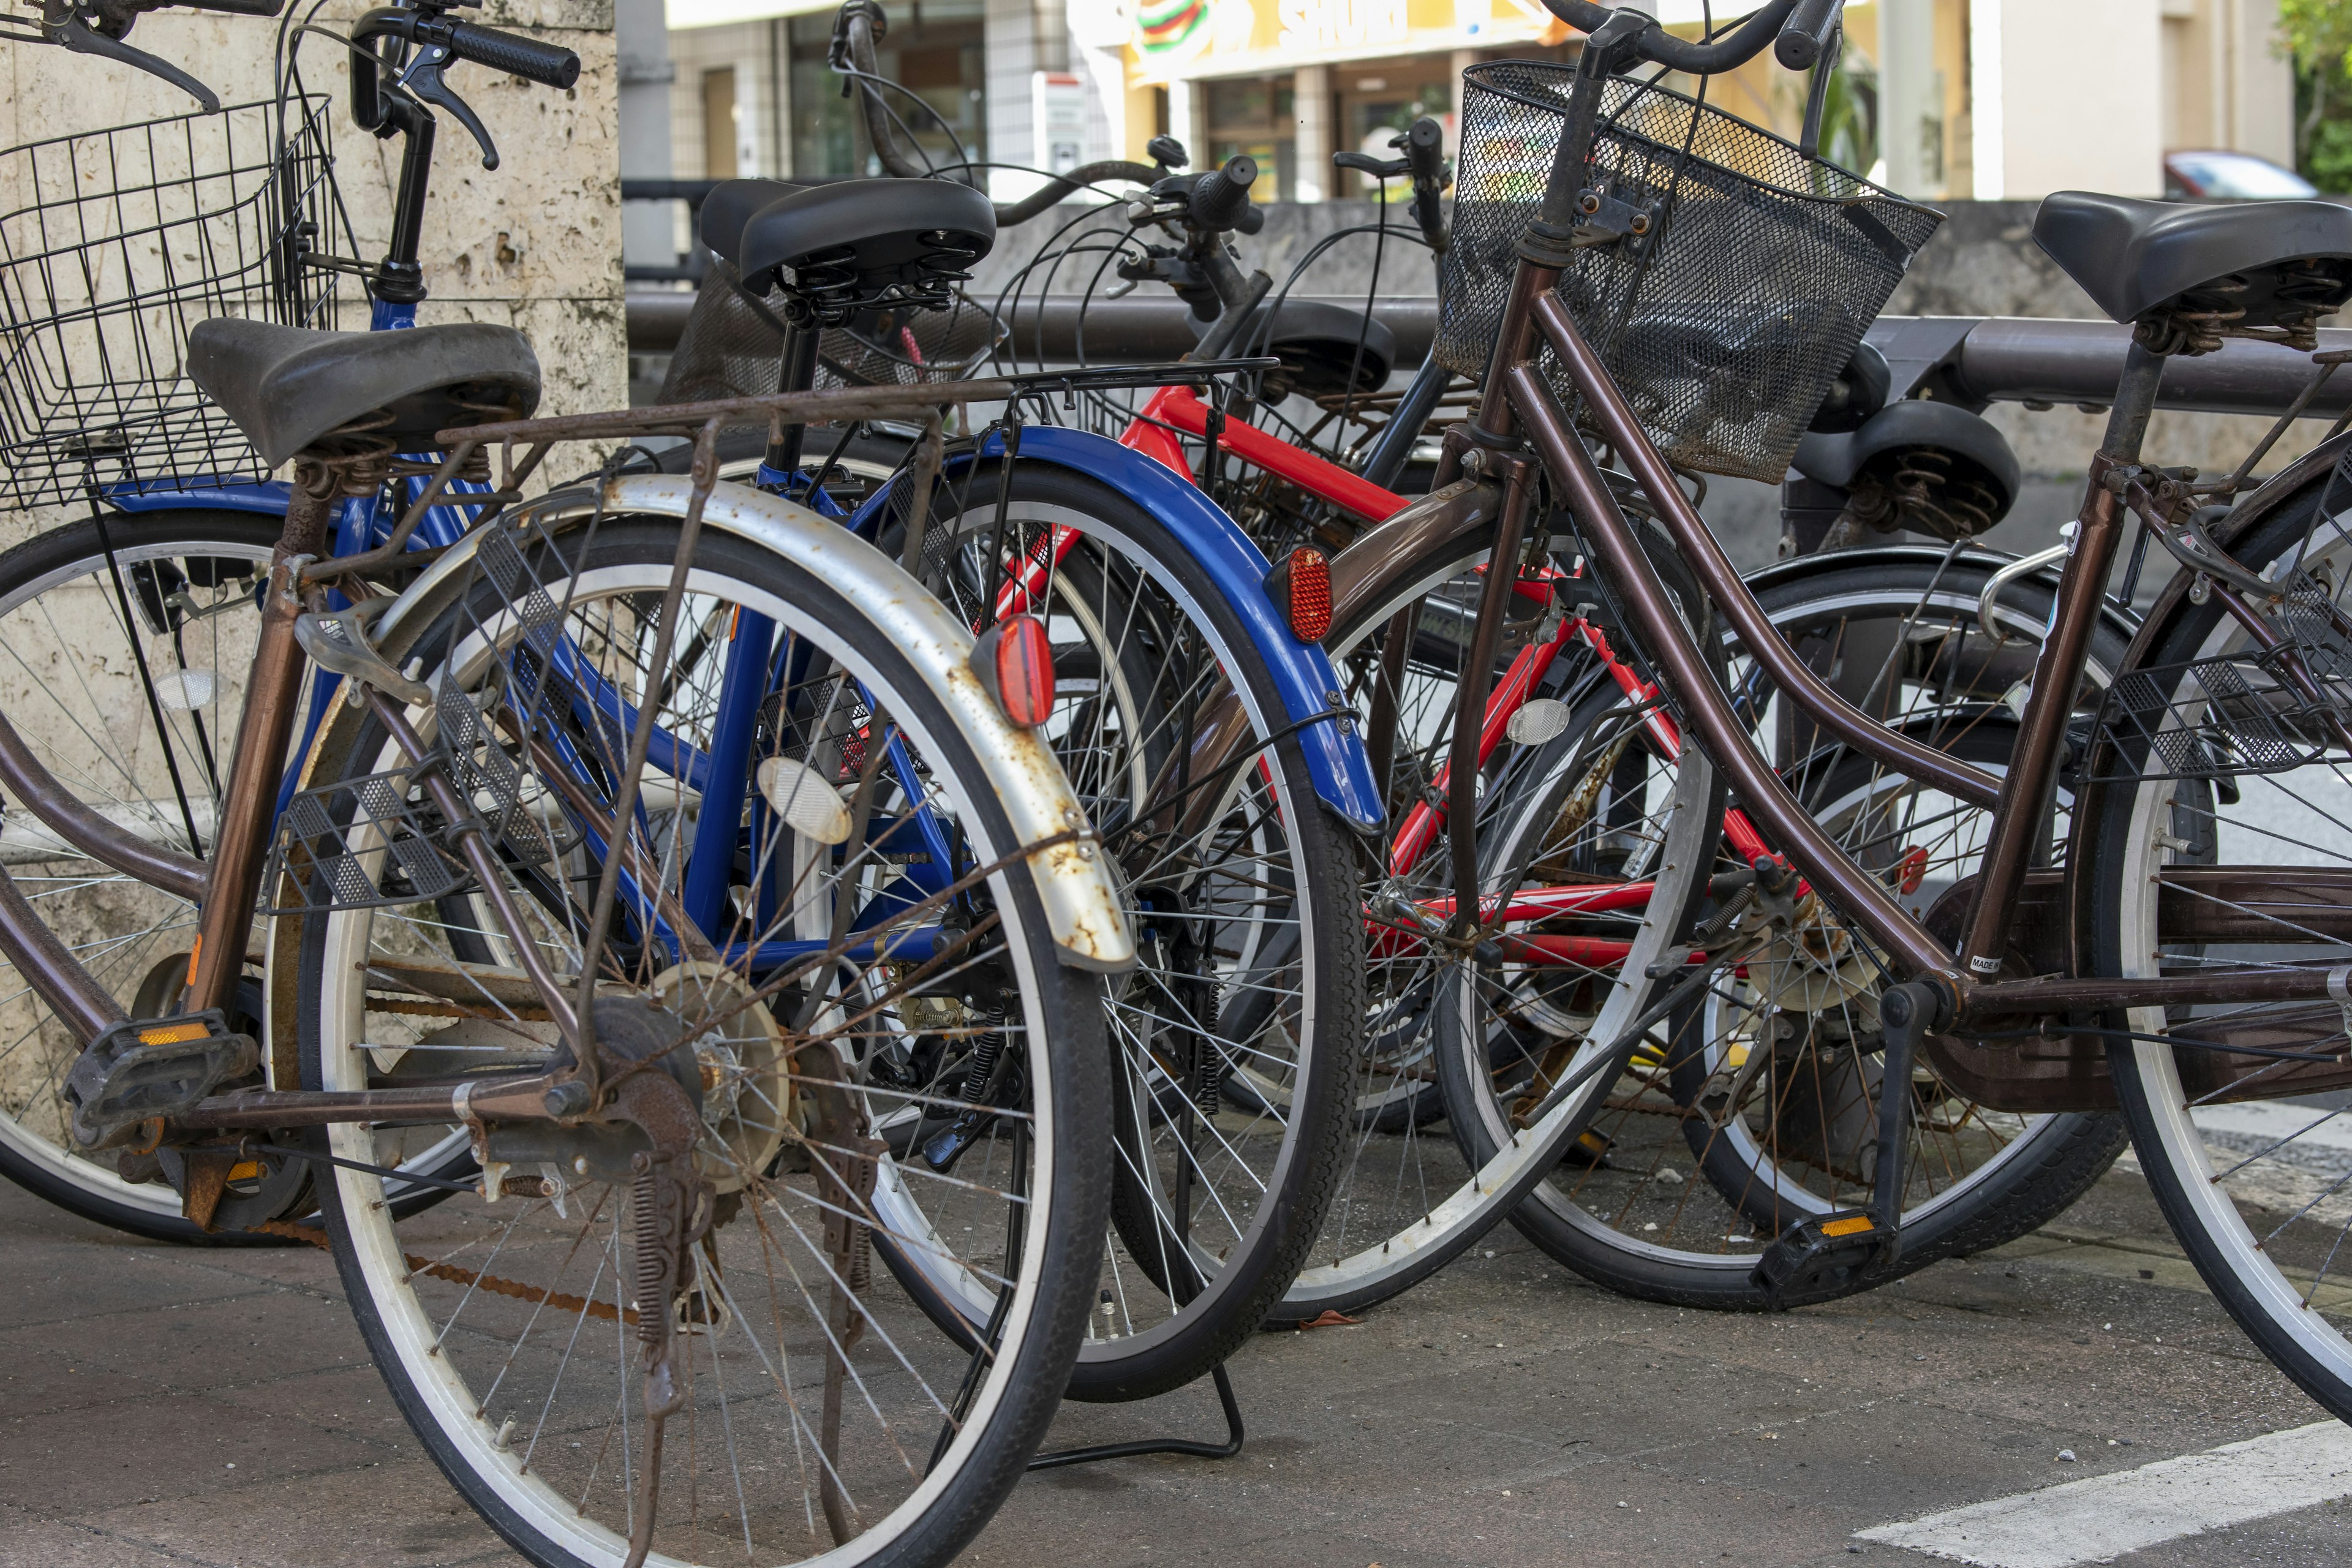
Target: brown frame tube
(1726, 739)
(1797, 681)
(273, 693)
(109, 843)
(50, 968)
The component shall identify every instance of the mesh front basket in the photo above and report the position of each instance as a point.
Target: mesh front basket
(733, 348)
(111, 247)
(1725, 324)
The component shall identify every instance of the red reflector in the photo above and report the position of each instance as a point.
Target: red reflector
(1015, 662)
(1305, 593)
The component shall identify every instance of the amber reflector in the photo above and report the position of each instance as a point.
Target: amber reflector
(1015, 662)
(1302, 587)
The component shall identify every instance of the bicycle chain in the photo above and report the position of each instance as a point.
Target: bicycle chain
(606, 1310)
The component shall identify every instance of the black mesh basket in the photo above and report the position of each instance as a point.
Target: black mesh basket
(733, 345)
(2243, 712)
(111, 247)
(1727, 321)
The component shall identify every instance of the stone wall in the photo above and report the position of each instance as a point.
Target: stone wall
(534, 245)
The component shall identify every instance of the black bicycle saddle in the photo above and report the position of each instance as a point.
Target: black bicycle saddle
(289, 388)
(2280, 263)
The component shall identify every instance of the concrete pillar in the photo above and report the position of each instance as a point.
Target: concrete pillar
(1188, 119)
(1010, 53)
(642, 37)
(1461, 60)
(2035, 105)
(1315, 179)
(1910, 98)
(2262, 83)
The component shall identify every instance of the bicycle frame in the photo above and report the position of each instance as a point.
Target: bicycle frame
(1083, 910)
(1181, 408)
(1527, 404)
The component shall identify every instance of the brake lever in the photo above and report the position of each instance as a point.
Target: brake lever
(62, 24)
(1377, 168)
(422, 79)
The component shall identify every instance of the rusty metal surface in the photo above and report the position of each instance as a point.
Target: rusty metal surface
(248, 807)
(781, 408)
(2025, 786)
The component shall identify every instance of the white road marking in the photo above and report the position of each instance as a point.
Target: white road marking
(2099, 1520)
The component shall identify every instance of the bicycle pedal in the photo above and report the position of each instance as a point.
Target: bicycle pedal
(337, 640)
(148, 1068)
(1821, 1259)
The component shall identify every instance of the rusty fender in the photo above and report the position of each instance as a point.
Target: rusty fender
(1082, 905)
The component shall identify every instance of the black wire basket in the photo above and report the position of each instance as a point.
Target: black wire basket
(1726, 321)
(733, 345)
(2256, 711)
(112, 246)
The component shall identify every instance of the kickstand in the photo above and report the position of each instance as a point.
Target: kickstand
(1225, 1450)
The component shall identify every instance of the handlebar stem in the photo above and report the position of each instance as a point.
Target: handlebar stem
(399, 279)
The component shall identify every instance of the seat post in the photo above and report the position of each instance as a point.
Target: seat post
(796, 371)
(2028, 788)
(2134, 401)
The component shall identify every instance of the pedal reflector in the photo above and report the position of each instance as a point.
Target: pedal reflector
(1821, 1259)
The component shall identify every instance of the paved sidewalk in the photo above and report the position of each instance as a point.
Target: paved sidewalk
(160, 1407)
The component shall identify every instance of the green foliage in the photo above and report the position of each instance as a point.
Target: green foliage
(2316, 36)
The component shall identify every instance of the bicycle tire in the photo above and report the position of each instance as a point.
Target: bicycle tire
(1150, 637)
(1051, 1193)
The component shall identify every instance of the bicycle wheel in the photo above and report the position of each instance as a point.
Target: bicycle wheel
(840, 988)
(1756, 1106)
(2246, 1143)
(1234, 1038)
(125, 676)
(1414, 1200)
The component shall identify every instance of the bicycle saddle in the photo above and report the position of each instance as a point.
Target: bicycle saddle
(848, 243)
(1316, 343)
(289, 388)
(730, 206)
(2279, 262)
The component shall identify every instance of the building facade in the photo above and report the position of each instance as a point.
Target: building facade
(1943, 100)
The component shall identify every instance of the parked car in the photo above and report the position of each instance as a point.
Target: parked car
(2222, 175)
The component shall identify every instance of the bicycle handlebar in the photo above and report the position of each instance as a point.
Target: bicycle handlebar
(1805, 37)
(1744, 43)
(855, 27)
(546, 63)
(437, 43)
(1222, 195)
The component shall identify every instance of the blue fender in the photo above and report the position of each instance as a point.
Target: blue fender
(198, 491)
(1336, 759)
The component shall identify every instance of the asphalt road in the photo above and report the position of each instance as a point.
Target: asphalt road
(163, 1406)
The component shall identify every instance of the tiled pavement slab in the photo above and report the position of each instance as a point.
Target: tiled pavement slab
(1506, 1414)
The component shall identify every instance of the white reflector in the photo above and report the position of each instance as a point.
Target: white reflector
(1544, 719)
(184, 691)
(809, 806)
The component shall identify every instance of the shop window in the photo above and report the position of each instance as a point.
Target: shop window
(1256, 115)
(719, 127)
(1379, 97)
(934, 50)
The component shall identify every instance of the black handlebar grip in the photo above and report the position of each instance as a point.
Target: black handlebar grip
(1221, 198)
(1425, 150)
(527, 57)
(236, 7)
(1805, 35)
